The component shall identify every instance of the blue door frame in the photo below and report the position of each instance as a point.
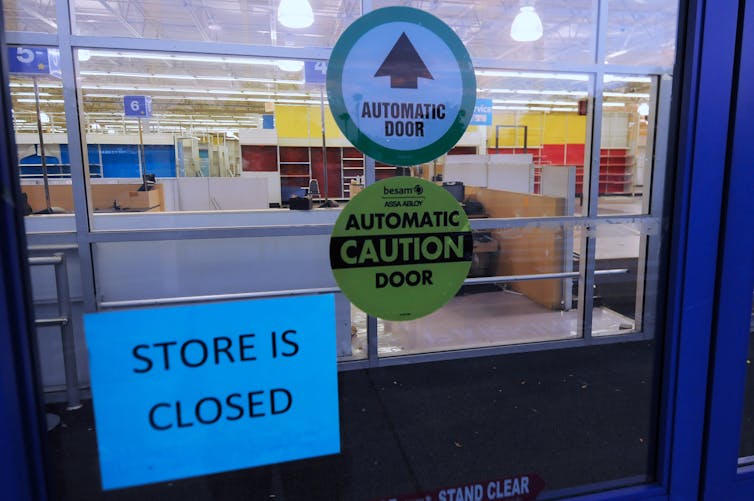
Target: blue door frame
(708, 281)
(706, 97)
(22, 426)
(723, 479)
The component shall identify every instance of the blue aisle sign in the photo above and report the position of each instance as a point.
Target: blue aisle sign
(315, 72)
(200, 389)
(482, 112)
(34, 61)
(137, 106)
(401, 85)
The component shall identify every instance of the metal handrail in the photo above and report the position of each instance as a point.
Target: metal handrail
(97, 172)
(58, 261)
(324, 290)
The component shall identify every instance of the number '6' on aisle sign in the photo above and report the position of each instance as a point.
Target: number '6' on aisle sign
(137, 106)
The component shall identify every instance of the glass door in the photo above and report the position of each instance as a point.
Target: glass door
(591, 402)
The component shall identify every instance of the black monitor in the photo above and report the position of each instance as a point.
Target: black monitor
(148, 181)
(455, 188)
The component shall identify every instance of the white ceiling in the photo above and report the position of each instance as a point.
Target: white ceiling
(640, 32)
(184, 87)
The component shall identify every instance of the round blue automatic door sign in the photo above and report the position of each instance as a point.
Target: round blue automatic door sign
(401, 86)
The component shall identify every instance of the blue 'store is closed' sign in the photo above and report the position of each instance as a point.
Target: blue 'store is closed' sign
(192, 390)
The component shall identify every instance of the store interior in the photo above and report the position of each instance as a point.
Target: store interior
(224, 153)
(230, 139)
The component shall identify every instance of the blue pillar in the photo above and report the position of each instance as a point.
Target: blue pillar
(22, 425)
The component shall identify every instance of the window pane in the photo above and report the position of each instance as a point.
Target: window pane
(641, 33)
(256, 22)
(239, 266)
(535, 121)
(619, 278)
(627, 146)
(568, 28)
(30, 16)
(44, 162)
(225, 133)
(229, 136)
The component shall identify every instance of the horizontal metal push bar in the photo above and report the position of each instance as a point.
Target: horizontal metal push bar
(45, 261)
(538, 276)
(325, 290)
(46, 322)
(52, 247)
(214, 297)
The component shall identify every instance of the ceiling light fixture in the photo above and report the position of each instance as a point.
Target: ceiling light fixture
(295, 14)
(535, 92)
(526, 27)
(219, 78)
(617, 53)
(175, 93)
(627, 78)
(183, 57)
(40, 85)
(627, 95)
(511, 108)
(536, 102)
(290, 65)
(56, 101)
(530, 74)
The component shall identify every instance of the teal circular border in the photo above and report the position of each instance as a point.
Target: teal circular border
(338, 108)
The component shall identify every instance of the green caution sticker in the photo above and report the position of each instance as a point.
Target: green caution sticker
(401, 248)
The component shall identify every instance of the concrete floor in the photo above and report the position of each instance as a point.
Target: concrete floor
(482, 320)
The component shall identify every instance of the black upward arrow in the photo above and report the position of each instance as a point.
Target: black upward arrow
(403, 65)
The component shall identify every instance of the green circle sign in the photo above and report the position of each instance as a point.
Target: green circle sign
(401, 86)
(401, 248)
